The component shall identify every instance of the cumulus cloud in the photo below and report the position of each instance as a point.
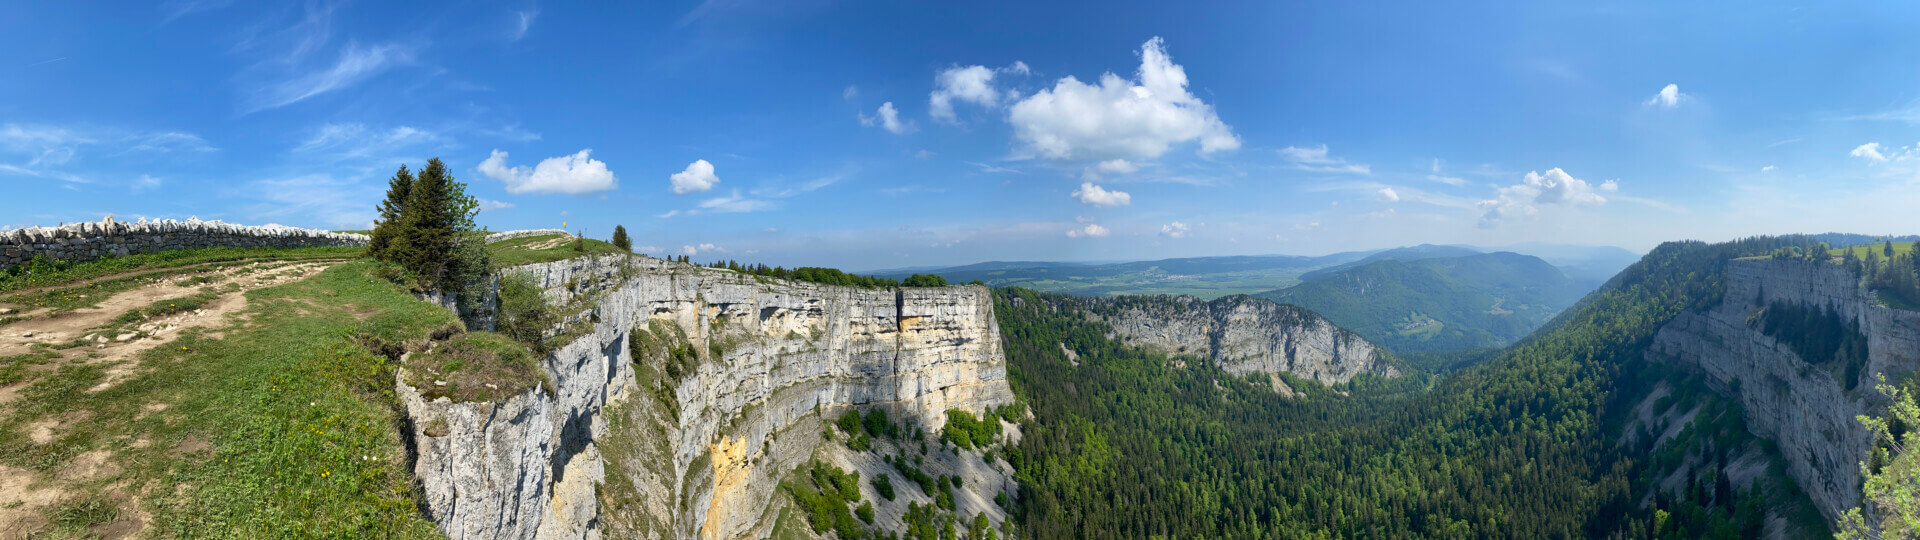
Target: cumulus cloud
(1553, 188)
(1174, 230)
(1140, 118)
(1098, 196)
(1316, 159)
(1768, 168)
(1871, 151)
(574, 174)
(1091, 230)
(970, 84)
(888, 118)
(486, 204)
(1387, 194)
(1668, 97)
(698, 177)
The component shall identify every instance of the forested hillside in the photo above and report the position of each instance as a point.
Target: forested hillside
(1437, 304)
(1544, 440)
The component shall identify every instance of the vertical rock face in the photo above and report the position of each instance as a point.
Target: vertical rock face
(1806, 409)
(1243, 335)
(620, 448)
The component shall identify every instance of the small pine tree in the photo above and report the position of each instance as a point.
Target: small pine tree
(391, 209)
(620, 239)
(438, 212)
(1888, 250)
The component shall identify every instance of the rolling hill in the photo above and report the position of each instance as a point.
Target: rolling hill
(1448, 303)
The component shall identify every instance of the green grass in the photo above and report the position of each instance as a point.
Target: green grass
(1877, 247)
(519, 251)
(471, 361)
(286, 427)
(60, 273)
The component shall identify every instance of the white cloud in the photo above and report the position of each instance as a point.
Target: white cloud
(356, 64)
(1668, 97)
(1610, 185)
(1315, 159)
(698, 177)
(888, 118)
(1018, 67)
(850, 93)
(1768, 168)
(1118, 166)
(1098, 196)
(1444, 179)
(1388, 194)
(970, 84)
(1871, 151)
(145, 182)
(169, 142)
(1525, 199)
(523, 21)
(45, 145)
(691, 250)
(734, 204)
(343, 142)
(1139, 118)
(1174, 230)
(1091, 231)
(574, 174)
(486, 204)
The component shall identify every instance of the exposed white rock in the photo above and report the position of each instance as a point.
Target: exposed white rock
(1809, 413)
(790, 353)
(1243, 335)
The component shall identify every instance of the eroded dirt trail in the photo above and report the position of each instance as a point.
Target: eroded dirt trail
(97, 336)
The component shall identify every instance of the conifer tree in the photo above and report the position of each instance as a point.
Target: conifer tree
(620, 239)
(437, 213)
(391, 209)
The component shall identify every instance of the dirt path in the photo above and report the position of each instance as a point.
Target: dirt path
(26, 497)
(47, 327)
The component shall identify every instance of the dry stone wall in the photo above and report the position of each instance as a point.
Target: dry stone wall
(92, 240)
(509, 235)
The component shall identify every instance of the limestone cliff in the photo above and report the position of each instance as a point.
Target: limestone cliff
(1242, 335)
(1807, 410)
(688, 395)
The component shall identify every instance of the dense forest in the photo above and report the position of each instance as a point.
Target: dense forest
(1529, 443)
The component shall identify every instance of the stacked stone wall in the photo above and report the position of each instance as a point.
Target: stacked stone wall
(92, 240)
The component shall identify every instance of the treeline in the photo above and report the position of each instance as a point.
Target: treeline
(825, 276)
(1128, 445)
(1895, 276)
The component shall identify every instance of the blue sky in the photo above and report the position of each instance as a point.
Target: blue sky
(879, 135)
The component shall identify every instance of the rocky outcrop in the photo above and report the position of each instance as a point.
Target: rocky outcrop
(695, 449)
(92, 240)
(1806, 409)
(1242, 335)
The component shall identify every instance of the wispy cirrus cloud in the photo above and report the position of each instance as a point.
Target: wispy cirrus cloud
(355, 64)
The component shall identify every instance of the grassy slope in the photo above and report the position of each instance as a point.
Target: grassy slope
(286, 427)
(521, 251)
(1440, 304)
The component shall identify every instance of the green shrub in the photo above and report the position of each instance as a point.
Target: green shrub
(620, 239)
(966, 431)
(524, 314)
(865, 512)
(883, 483)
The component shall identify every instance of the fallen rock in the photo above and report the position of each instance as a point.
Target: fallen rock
(124, 337)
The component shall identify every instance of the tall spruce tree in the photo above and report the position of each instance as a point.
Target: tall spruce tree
(391, 211)
(437, 213)
(620, 239)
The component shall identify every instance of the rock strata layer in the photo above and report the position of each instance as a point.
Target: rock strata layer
(1807, 409)
(625, 446)
(1242, 335)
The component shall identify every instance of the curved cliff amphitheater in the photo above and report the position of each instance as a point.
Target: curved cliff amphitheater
(189, 378)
